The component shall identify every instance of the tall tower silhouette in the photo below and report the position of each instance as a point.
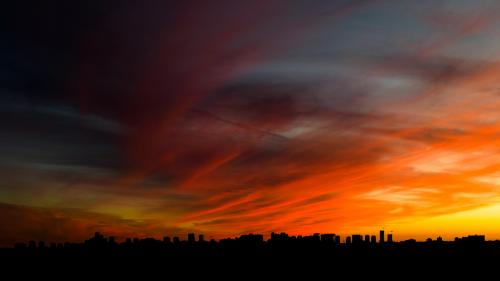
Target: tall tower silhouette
(382, 237)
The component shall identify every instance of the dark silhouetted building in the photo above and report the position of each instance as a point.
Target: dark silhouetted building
(280, 236)
(166, 239)
(191, 238)
(201, 238)
(475, 238)
(373, 239)
(389, 238)
(316, 237)
(348, 240)
(98, 237)
(337, 239)
(176, 240)
(382, 237)
(252, 238)
(357, 239)
(328, 237)
(472, 240)
(367, 238)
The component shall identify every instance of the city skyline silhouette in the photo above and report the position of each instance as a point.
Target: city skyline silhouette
(313, 254)
(250, 132)
(354, 239)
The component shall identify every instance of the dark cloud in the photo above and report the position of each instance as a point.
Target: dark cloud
(435, 135)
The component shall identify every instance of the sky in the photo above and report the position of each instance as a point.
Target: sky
(153, 118)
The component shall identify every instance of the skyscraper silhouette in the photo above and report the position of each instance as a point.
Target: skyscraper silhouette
(357, 239)
(328, 237)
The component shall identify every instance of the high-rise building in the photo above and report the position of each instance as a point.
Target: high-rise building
(382, 237)
(328, 237)
(348, 240)
(316, 237)
(389, 238)
(274, 236)
(254, 238)
(201, 238)
(357, 239)
(166, 239)
(367, 238)
(337, 239)
(191, 238)
(374, 239)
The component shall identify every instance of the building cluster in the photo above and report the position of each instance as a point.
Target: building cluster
(355, 239)
(276, 239)
(99, 240)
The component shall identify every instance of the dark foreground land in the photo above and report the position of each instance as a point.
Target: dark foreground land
(251, 256)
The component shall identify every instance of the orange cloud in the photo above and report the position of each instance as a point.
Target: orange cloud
(262, 117)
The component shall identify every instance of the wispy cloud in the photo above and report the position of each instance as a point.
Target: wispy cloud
(256, 116)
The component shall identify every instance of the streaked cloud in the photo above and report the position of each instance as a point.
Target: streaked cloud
(253, 116)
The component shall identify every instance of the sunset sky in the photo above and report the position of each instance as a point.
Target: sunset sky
(153, 118)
